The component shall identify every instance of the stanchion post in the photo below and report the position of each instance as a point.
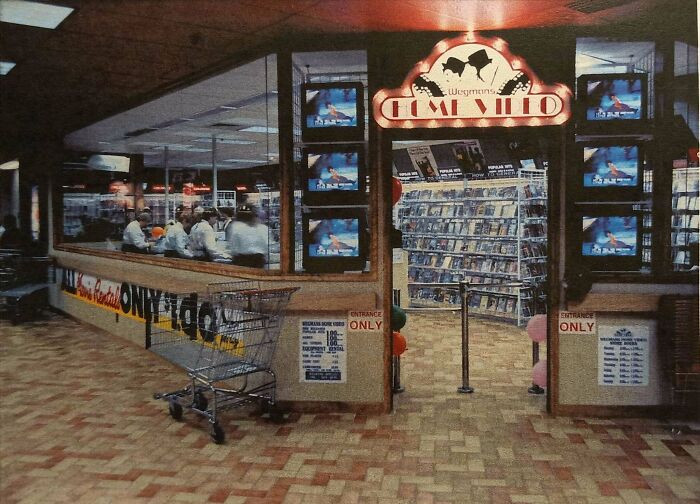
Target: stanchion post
(396, 387)
(465, 294)
(535, 389)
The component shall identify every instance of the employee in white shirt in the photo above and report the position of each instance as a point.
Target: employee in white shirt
(249, 239)
(134, 239)
(203, 238)
(176, 240)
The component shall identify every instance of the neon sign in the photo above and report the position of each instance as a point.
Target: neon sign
(470, 81)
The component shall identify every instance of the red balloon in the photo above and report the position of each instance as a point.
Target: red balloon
(396, 190)
(399, 343)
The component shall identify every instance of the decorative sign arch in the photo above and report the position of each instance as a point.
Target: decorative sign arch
(470, 81)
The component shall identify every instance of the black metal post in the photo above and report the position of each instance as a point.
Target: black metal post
(465, 293)
(396, 387)
(535, 389)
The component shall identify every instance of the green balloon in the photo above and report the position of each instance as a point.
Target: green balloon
(398, 318)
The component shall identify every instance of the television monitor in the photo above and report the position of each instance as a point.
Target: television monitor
(334, 175)
(610, 238)
(611, 171)
(332, 112)
(613, 99)
(334, 240)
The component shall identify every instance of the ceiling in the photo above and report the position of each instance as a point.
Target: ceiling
(111, 56)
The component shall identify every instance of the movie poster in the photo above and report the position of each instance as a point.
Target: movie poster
(323, 351)
(470, 159)
(424, 162)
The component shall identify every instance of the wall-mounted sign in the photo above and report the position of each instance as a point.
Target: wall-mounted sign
(365, 321)
(577, 323)
(472, 81)
(322, 351)
(623, 356)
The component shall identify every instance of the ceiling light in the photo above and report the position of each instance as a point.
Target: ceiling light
(245, 161)
(181, 147)
(33, 13)
(230, 141)
(10, 165)
(6, 66)
(259, 129)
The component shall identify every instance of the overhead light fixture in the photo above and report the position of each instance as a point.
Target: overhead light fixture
(260, 161)
(181, 147)
(259, 129)
(36, 14)
(229, 141)
(6, 66)
(10, 165)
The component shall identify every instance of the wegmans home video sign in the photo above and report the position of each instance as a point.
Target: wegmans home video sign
(470, 81)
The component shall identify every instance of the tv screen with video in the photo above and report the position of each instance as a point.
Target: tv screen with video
(334, 175)
(610, 238)
(611, 172)
(613, 99)
(334, 240)
(332, 112)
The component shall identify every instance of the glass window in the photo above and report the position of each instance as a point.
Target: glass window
(195, 156)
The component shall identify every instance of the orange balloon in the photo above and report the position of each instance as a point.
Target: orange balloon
(157, 232)
(399, 343)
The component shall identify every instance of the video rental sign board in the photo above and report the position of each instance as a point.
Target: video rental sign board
(470, 81)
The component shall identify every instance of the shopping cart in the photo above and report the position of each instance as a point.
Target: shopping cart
(228, 358)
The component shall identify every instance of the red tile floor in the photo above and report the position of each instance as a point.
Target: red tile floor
(78, 424)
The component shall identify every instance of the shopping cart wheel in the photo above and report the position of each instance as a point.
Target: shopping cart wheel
(216, 433)
(276, 414)
(175, 409)
(199, 401)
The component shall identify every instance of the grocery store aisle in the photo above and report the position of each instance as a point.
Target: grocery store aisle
(78, 424)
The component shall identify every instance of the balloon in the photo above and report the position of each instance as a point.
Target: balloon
(539, 373)
(398, 318)
(157, 232)
(396, 190)
(537, 328)
(399, 343)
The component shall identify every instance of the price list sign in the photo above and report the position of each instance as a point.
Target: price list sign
(623, 356)
(323, 351)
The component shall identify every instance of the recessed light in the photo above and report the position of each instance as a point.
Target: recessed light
(261, 161)
(6, 66)
(259, 129)
(36, 14)
(230, 141)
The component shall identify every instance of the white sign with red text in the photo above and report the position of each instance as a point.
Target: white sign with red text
(365, 321)
(577, 323)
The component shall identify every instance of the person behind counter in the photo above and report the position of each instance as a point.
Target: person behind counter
(134, 239)
(176, 240)
(249, 239)
(203, 238)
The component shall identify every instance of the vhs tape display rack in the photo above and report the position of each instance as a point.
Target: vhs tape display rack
(491, 231)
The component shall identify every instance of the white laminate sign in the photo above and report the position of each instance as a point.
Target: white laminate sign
(577, 323)
(323, 351)
(623, 355)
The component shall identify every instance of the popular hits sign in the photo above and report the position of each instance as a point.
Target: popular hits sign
(472, 81)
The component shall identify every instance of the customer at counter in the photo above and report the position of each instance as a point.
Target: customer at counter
(203, 238)
(176, 239)
(134, 239)
(249, 238)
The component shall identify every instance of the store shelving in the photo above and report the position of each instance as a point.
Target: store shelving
(685, 216)
(492, 231)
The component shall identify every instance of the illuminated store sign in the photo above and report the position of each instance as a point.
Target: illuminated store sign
(472, 81)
